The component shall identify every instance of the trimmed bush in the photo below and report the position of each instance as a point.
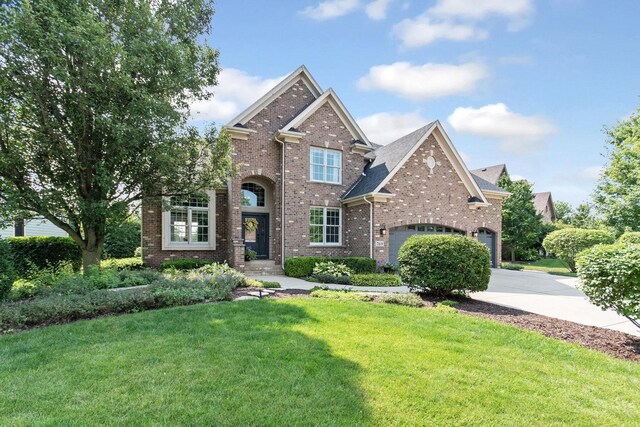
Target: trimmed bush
(411, 300)
(630, 237)
(303, 266)
(374, 279)
(567, 243)
(329, 268)
(7, 269)
(184, 264)
(443, 264)
(530, 254)
(122, 263)
(44, 252)
(340, 295)
(610, 277)
(515, 267)
(122, 240)
(329, 278)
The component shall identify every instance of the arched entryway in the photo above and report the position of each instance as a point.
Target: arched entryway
(488, 238)
(398, 235)
(257, 204)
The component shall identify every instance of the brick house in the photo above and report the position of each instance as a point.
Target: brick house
(311, 183)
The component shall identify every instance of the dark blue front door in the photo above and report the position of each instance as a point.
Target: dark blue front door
(257, 240)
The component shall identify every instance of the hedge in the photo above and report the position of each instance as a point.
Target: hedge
(374, 279)
(567, 243)
(185, 264)
(630, 237)
(7, 269)
(44, 252)
(441, 264)
(610, 277)
(122, 240)
(132, 263)
(303, 266)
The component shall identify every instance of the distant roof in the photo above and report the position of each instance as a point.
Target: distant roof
(386, 159)
(486, 185)
(540, 201)
(491, 173)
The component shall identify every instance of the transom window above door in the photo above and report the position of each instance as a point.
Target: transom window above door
(253, 195)
(326, 165)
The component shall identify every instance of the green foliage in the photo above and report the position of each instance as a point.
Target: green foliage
(303, 266)
(251, 283)
(22, 289)
(250, 255)
(630, 237)
(218, 273)
(530, 254)
(122, 263)
(184, 264)
(340, 295)
(267, 284)
(7, 269)
(374, 279)
(441, 264)
(331, 269)
(448, 303)
(563, 210)
(584, 217)
(509, 266)
(94, 103)
(329, 278)
(617, 196)
(411, 300)
(122, 240)
(521, 223)
(138, 252)
(610, 277)
(43, 252)
(567, 243)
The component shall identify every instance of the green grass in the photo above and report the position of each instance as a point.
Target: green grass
(550, 265)
(307, 362)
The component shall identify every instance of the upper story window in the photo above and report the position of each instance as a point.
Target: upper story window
(189, 224)
(253, 195)
(326, 165)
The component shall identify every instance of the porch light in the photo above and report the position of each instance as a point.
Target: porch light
(474, 234)
(383, 230)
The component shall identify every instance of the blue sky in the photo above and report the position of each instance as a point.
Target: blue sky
(522, 82)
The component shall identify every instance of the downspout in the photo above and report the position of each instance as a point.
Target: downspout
(370, 226)
(282, 221)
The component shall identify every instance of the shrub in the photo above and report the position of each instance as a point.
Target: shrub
(508, 266)
(527, 254)
(220, 272)
(442, 264)
(448, 303)
(411, 300)
(250, 255)
(630, 237)
(567, 243)
(610, 277)
(266, 284)
(22, 289)
(184, 264)
(303, 266)
(138, 252)
(7, 269)
(122, 263)
(329, 278)
(44, 252)
(341, 295)
(331, 269)
(122, 240)
(374, 279)
(445, 309)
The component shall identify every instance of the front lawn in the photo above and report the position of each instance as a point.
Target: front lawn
(550, 265)
(307, 362)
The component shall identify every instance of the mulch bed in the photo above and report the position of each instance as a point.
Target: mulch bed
(615, 343)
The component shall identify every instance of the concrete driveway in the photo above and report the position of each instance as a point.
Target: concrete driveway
(536, 292)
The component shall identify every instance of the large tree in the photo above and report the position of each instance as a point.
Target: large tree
(617, 196)
(563, 211)
(94, 99)
(521, 223)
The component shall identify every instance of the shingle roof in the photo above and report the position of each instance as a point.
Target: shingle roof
(490, 173)
(540, 201)
(486, 185)
(387, 157)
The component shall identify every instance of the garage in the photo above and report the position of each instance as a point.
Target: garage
(398, 235)
(488, 238)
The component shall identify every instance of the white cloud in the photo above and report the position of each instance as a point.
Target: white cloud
(518, 11)
(517, 133)
(377, 9)
(423, 30)
(426, 81)
(517, 178)
(386, 127)
(235, 90)
(330, 9)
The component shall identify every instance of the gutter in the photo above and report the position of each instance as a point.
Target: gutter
(370, 226)
(282, 220)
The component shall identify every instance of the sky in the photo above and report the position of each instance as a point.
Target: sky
(528, 83)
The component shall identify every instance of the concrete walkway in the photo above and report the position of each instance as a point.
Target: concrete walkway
(536, 292)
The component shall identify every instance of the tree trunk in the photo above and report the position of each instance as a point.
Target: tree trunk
(513, 255)
(90, 257)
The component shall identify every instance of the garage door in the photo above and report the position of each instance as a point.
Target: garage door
(399, 235)
(488, 237)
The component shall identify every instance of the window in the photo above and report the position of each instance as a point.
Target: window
(189, 223)
(326, 165)
(252, 195)
(325, 226)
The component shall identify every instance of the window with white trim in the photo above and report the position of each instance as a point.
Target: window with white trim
(326, 165)
(189, 224)
(325, 226)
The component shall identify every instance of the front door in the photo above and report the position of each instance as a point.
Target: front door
(257, 240)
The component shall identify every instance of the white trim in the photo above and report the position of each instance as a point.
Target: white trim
(324, 165)
(324, 226)
(300, 73)
(375, 197)
(239, 133)
(498, 194)
(337, 105)
(168, 245)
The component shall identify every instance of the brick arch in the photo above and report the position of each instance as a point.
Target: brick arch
(270, 178)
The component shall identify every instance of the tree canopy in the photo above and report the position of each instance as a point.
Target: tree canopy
(94, 98)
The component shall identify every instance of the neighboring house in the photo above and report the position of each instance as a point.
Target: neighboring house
(544, 205)
(313, 184)
(32, 227)
(491, 174)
